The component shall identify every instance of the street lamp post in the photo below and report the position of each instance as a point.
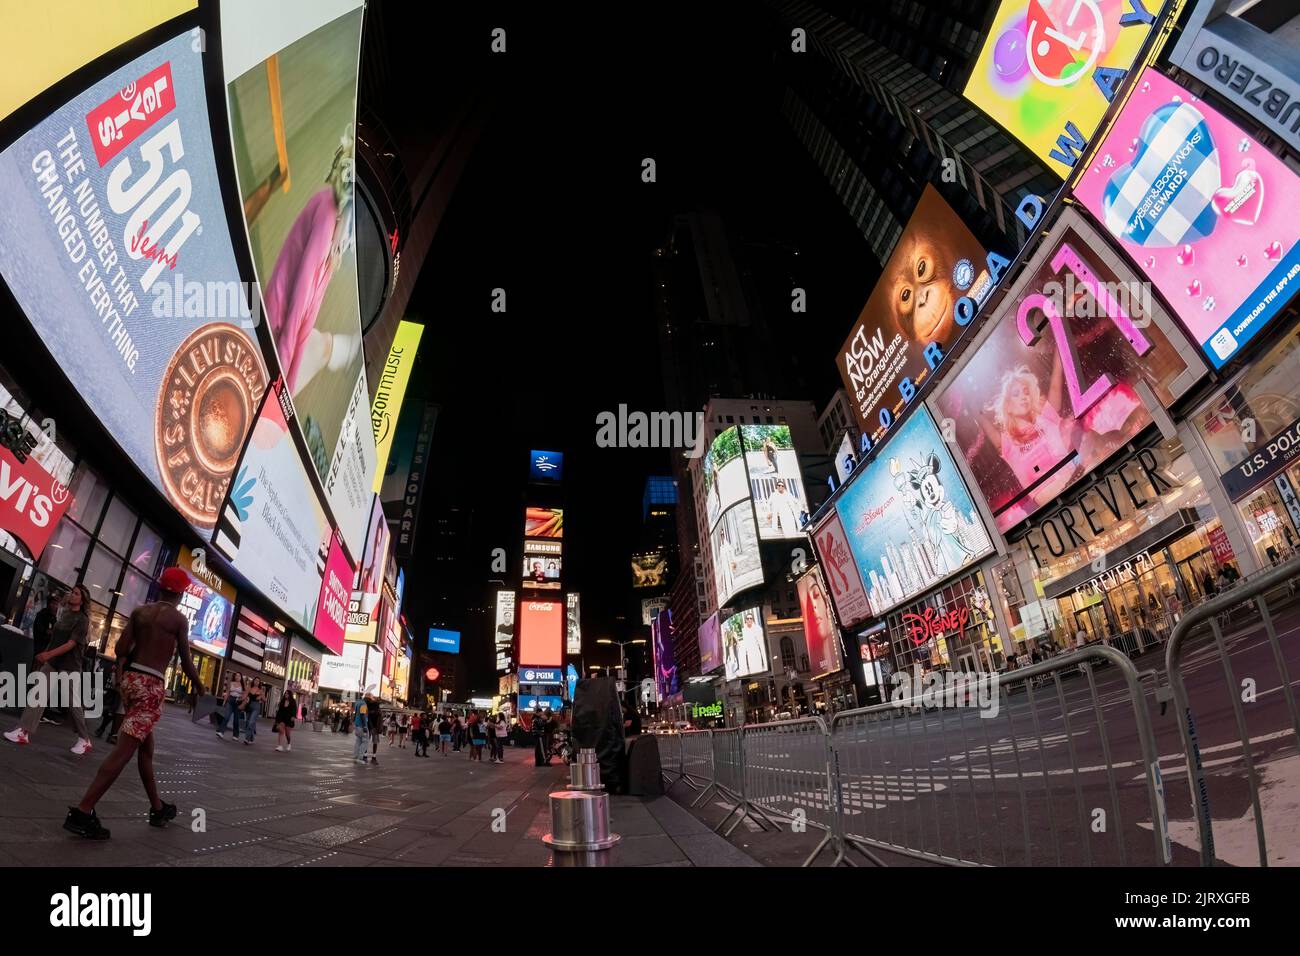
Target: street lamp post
(622, 655)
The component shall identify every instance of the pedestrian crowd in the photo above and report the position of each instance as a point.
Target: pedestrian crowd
(447, 732)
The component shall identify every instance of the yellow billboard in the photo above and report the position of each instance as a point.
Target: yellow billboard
(41, 43)
(1050, 68)
(390, 391)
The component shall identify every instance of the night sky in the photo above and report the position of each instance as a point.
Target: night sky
(552, 209)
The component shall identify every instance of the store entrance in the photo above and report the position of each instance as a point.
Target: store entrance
(1092, 620)
(968, 662)
(1196, 572)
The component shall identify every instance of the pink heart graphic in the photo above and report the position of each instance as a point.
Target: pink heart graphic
(1273, 250)
(1185, 256)
(1243, 201)
(1194, 288)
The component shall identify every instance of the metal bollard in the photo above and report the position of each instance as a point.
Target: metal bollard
(584, 773)
(580, 817)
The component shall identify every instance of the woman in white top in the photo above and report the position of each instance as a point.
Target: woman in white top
(234, 697)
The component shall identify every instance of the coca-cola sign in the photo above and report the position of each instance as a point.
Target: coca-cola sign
(932, 623)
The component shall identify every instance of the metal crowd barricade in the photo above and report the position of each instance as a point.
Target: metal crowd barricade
(728, 749)
(670, 758)
(697, 761)
(1058, 773)
(789, 772)
(1248, 656)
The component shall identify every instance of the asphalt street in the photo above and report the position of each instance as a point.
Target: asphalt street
(1056, 777)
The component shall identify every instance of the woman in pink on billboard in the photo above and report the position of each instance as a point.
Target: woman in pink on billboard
(1033, 436)
(311, 253)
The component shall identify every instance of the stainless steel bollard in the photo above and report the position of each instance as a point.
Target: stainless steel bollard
(579, 821)
(584, 773)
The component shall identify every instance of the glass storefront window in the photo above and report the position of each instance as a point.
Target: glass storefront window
(1269, 522)
(147, 548)
(135, 591)
(1258, 406)
(1189, 493)
(88, 496)
(98, 624)
(118, 527)
(975, 647)
(65, 553)
(103, 571)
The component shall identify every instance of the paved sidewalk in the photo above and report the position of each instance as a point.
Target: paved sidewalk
(316, 807)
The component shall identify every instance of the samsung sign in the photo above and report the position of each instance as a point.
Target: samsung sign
(1251, 69)
(446, 641)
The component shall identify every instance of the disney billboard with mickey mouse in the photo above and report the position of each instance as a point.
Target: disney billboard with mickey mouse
(909, 517)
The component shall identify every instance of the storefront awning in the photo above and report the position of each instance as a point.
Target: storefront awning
(1169, 529)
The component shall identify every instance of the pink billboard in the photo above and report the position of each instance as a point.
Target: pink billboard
(335, 591)
(1206, 212)
(841, 572)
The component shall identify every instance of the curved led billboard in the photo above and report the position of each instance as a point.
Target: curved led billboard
(115, 244)
(775, 481)
(737, 564)
(909, 518)
(724, 475)
(275, 532)
(733, 532)
(291, 72)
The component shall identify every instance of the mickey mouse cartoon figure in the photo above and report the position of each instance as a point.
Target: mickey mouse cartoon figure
(944, 529)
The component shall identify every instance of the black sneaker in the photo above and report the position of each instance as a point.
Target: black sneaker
(159, 817)
(85, 825)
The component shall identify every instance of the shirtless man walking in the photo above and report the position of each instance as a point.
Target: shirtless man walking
(154, 633)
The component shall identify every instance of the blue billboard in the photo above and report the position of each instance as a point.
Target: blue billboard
(530, 702)
(545, 465)
(909, 518)
(446, 641)
(541, 675)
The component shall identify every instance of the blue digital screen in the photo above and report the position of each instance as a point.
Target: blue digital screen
(446, 641)
(545, 465)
